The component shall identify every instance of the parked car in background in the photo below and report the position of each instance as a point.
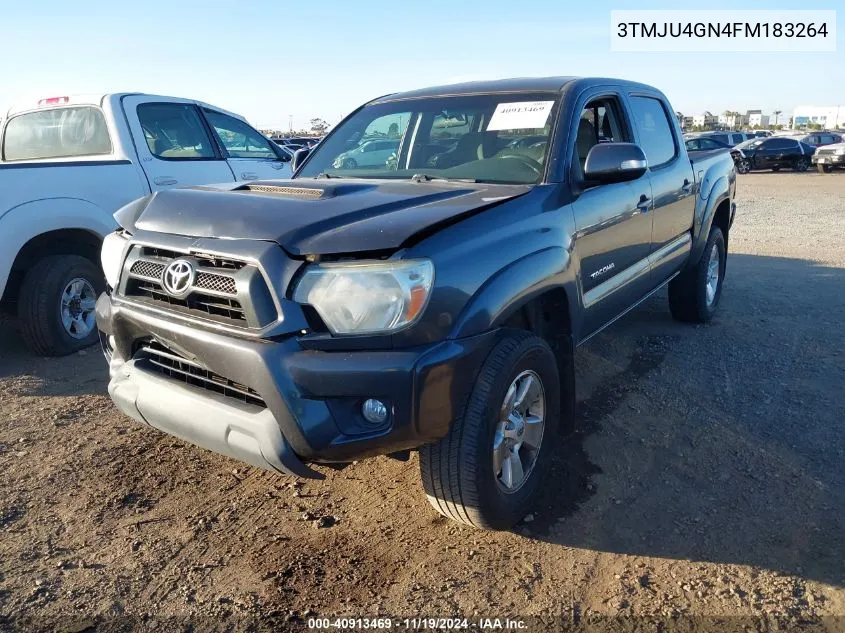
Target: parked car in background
(371, 153)
(283, 142)
(708, 143)
(68, 163)
(777, 152)
(829, 157)
(820, 139)
(731, 139)
(434, 303)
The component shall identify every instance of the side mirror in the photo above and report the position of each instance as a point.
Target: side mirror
(299, 157)
(285, 157)
(615, 162)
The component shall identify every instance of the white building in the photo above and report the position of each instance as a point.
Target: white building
(733, 121)
(757, 119)
(829, 117)
(705, 120)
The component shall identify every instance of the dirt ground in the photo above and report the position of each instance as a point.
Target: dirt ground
(705, 492)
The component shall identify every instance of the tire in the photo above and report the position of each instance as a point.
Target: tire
(824, 169)
(802, 164)
(458, 472)
(688, 296)
(743, 166)
(776, 168)
(349, 163)
(40, 304)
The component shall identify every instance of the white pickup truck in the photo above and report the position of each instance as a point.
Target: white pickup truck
(68, 163)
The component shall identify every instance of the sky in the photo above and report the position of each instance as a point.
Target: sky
(275, 60)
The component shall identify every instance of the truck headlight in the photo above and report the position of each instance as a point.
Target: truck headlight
(367, 297)
(840, 151)
(112, 256)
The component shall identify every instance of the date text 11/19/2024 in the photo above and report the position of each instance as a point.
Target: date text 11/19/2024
(417, 623)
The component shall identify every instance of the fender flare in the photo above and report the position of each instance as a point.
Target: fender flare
(717, 194)
(26, 221)
(513, 287)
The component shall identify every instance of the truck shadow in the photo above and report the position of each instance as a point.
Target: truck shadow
(718, 443)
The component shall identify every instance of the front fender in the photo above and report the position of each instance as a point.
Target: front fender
(513, 287)
(20, 224)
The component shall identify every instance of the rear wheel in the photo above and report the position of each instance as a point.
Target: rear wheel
(56, 305)
(488, 470)
(695, 293)
(802, 164)
(824, 169)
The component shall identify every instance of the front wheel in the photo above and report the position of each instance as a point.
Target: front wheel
(824, 169)
(695, 293)
(743, 166)
(56, 305)
(488, 470)
(802, 164)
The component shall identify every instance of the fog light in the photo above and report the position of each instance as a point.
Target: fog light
(374, 411)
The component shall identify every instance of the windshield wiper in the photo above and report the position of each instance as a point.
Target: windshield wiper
(323, 174)
(429, 178)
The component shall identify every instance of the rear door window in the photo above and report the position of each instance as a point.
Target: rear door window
(655, 131)
(175, 131)
(57, 133)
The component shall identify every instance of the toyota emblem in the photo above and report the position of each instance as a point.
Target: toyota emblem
(178, 277)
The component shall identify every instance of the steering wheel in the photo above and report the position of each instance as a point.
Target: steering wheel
(532, 164)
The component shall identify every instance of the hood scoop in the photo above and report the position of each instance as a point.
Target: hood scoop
(299, 192)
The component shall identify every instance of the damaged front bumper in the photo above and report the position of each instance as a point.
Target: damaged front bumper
(273, 403)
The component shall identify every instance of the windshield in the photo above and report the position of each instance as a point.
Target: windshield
(483, 138)
(752, 143)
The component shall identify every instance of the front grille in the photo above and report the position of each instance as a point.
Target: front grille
(151, 270)
(156, 357)
(218, 283)
(823, 151)
(198, 303)
(225, 290)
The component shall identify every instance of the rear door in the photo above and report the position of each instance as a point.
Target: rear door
(250, 154)
(174, 145)
(672, 181)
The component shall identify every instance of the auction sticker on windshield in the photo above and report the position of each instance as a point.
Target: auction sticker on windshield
(520, 115)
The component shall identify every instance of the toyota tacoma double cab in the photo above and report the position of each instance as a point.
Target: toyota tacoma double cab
(430, 302)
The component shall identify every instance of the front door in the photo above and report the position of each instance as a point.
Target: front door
(174, 145)
(613, 222)
(250, 154)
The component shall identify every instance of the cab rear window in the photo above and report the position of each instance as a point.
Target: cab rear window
(57, 133)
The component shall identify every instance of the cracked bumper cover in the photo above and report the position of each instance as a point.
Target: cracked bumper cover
(312, 397)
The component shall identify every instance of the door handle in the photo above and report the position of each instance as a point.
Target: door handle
(165, 180)
(249, 175)
(687, 186)
(644, 204)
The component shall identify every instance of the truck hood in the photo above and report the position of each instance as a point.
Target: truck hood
(318, 216)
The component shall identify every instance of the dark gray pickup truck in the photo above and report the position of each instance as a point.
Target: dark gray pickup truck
(420, 283)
